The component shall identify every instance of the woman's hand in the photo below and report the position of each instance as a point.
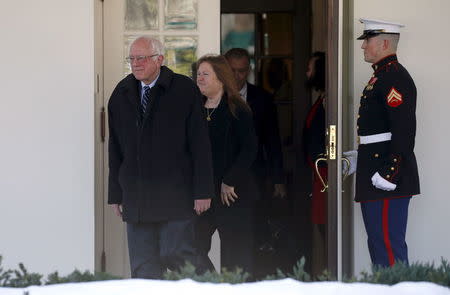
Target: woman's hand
(201, 205)
(227, 194)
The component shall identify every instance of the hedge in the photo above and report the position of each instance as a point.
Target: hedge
(400, 272)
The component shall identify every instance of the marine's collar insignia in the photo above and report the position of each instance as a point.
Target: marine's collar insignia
(394, 98)
(371, 83)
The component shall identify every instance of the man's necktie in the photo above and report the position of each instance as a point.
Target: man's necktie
(145, 98)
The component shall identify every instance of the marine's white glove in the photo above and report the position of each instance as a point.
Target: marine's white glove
(381, 183)
(352, 156)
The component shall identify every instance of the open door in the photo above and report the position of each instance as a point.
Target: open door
(188, 29)
(339, 237)
(313, 21)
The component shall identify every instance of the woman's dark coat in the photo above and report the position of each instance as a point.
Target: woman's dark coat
(234, 148)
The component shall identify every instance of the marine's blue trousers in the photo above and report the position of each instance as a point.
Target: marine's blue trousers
(385, 221)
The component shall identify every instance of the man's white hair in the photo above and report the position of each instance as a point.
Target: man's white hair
(152, 42)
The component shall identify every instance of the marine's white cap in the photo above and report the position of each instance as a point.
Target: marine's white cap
(373, 27)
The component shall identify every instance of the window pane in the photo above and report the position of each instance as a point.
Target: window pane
(181, 52)
(180, 15)
(238, 30)
(141, 15)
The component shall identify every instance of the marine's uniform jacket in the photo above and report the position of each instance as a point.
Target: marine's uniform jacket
(388, 104)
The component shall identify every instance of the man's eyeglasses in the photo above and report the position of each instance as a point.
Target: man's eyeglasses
(139, 58)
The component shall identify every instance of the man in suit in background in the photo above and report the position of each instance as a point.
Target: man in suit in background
(269, 161)
(160, 164)
(268, 165)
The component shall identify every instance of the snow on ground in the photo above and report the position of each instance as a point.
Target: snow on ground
(188, 287)
(11, 291)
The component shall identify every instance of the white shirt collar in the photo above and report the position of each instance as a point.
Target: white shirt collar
(243, 91)
(151, 84)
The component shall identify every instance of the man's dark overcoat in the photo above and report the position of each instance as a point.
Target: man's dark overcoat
(159, 161)
(269, 160)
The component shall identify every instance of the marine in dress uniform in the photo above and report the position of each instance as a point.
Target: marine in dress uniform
(386, 175)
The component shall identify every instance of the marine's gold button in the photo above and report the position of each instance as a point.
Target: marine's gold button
(388, 176)
(376, 155)
(395, 160)
(392, 168)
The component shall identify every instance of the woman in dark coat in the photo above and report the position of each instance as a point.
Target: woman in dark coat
(234, 147)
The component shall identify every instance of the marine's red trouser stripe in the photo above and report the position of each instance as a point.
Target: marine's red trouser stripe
(387, 241)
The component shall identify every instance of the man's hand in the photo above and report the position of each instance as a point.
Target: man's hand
(201, 205)
(279, 190)
(227, 194)
(117, 209)
(352, 157)
(381, 183)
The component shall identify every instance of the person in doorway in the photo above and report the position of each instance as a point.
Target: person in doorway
(278, 79)
(269, 159)
(160, 164)
(268, 166)
(386, 174)
(234, 148)
(314, 136)
(314, 146)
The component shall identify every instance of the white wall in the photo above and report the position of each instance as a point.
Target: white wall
(424, 51)
(47, 135)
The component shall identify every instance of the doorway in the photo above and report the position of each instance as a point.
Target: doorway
(278, 38)
(268, 37)
(286, 33)
(310, 22)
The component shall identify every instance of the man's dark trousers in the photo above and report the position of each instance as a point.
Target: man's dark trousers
(385, 221)
(156, 246)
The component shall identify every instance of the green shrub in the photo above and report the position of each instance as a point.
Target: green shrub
(398, 273)
(4, 274)
(298, 273)
(21, 278)
(379, 275)
(77, 276)
(238, 276)
(415, 272)
(18, 278)
(188, 272)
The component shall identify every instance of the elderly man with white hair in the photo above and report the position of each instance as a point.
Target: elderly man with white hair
(160, 165)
